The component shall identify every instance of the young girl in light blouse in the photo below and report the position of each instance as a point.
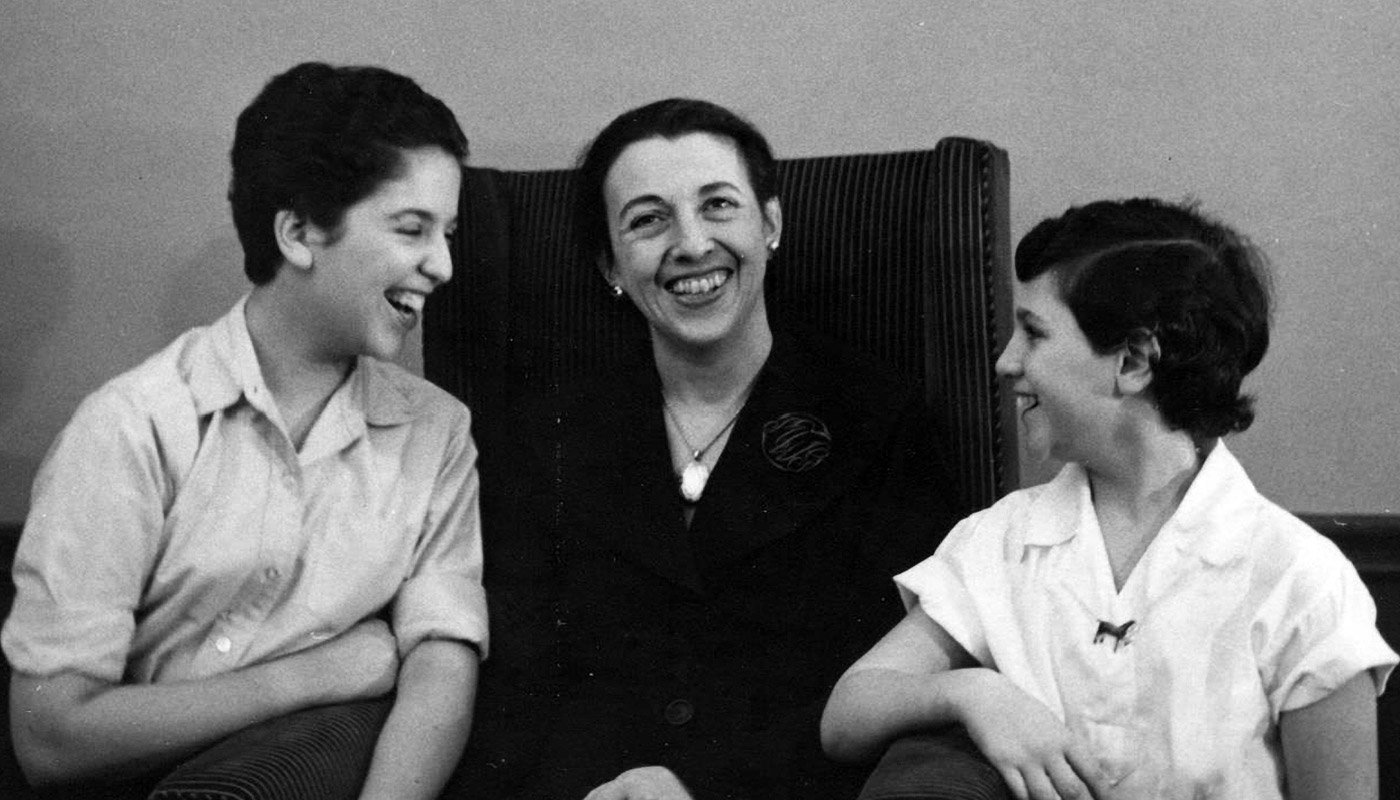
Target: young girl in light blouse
(1146, 624)
(268, 515)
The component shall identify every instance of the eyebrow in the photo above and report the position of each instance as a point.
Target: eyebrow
(716, 186)
(1025, 315)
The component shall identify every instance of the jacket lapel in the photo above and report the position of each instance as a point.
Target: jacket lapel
(795, 448)
(616, 480)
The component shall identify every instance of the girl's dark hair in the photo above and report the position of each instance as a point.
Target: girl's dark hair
(1132, 268)
(668, 119)
(319, 139)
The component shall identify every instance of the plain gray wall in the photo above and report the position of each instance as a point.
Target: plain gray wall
(115, 121)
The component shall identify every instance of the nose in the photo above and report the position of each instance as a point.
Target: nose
(437, 263)
(692, 237)
(1009, 362)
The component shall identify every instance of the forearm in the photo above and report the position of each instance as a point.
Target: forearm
(69, 727)
(872, 706)
(428, 726)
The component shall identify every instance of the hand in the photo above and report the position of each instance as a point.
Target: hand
(1035, 753)
(642, 783)
(360, 663)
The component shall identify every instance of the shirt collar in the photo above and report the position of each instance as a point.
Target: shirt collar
(1207, 523)
(1210, 521)
(222, 368)
(1058, 511)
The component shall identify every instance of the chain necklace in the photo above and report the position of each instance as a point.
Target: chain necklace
(695, 474)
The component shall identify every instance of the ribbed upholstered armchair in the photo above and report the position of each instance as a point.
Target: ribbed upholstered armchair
(901, 255)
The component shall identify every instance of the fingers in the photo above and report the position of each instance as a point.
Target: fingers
(1087, 768)
(1058, 781)
(1014, 782)
(1068, 783)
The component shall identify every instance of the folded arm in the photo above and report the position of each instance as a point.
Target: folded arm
(918, 677)
(70, 727)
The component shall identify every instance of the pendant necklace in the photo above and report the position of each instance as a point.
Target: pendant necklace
(695, 475)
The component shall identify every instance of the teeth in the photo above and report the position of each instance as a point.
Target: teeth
(701, 285)
(405, 300)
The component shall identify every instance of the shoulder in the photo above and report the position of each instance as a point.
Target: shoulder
(424, 402)
(1291, 559)
(149, 393)
(1003, 524)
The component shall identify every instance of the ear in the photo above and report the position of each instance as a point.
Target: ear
(295, 235)
(603, 261)
(1136, 358)
(773, 221)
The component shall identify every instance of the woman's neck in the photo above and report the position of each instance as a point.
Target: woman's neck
(718, 375)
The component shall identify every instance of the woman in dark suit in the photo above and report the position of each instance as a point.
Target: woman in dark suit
(683, 558)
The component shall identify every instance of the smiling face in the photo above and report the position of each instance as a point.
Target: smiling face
(372, 275)
(690, 239)
(1066, 393)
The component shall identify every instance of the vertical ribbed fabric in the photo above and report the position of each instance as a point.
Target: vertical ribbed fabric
(901, 255)
(319, 753)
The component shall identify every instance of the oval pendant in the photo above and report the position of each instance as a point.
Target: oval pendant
(693, 480)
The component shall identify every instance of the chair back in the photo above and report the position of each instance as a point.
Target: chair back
(904, 256)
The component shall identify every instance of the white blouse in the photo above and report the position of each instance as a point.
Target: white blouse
(1236, 612)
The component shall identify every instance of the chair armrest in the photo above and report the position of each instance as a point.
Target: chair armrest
(321, 752)
(944, 765)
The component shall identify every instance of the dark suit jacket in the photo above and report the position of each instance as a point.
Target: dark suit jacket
(620, 638)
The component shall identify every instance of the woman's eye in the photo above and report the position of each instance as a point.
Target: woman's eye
(410, 232)
(720, 204)
(643, 221)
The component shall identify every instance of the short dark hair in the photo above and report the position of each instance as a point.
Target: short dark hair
(1129, 267)
(319, 139)
(669, 119)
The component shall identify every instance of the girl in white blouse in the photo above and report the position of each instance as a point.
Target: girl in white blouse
(1146, 624)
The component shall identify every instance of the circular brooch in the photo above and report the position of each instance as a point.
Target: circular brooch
(796, 442)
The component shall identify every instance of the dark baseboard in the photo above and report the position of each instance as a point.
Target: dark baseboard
(1371, 541)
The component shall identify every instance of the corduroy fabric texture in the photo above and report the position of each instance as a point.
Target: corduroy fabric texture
(321, 753)
(904, 256)
(942, 766)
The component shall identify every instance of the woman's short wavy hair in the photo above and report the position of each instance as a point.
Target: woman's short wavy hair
(1140, 267)
(319, 139)
(669, 119)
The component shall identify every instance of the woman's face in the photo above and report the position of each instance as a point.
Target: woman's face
(1066, 393)
(373, 275)
(689, 239)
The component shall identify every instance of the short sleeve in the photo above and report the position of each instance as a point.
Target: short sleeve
(96, 509)
(938, 585)
(443, 598)
(1323, 634)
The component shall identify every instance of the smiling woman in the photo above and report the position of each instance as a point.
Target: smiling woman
(685, 550)
(690, 242)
